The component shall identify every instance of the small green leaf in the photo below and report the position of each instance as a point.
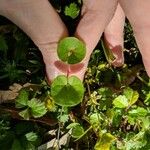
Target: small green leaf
(71, 50)
(77, 130)
(138, 112)
(72, 125)
(37, 108)
(72, 10)
(131, 95)
(25, 114)
(95, 119)
(67, 91)
(31, 136)
(22, 99)
(121, 101)
(104, 142)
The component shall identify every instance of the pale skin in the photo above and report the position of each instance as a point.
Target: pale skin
(43, 25)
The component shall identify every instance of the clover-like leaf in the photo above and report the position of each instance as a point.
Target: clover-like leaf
(121, 101)
(37, 108)
(71, 50)
(67, 91)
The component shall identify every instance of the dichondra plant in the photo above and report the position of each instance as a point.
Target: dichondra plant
(65, 90)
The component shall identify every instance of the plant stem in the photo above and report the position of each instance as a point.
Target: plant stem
(58, 134)
(84, 133)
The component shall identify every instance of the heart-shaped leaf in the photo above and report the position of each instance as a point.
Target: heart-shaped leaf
(71, 50)
(67, 91)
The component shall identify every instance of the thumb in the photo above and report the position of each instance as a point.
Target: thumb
(96, 14)
(95, 17)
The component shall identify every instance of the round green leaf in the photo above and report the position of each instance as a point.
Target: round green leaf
(71, 50)
(67, 91)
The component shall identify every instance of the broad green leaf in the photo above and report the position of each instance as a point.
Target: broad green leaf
(22, 99)
(121, 101)
(72, 10)
(25, 114)
(104, 142)
(71, 50)
(138, 112)
(37, 108)
(67, 91)
(31, 136)
(131, 95)
(77, 130)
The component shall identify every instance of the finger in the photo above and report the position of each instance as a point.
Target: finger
(113, 36)
(138, 13)
(95, 17)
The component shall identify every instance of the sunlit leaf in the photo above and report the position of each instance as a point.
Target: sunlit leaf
(104, 142)
(121, 101)
(71, 50)
(131, 95)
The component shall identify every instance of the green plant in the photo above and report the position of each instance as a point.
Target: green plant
(65, 90)
(32, 107)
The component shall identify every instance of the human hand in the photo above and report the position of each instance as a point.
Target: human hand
(95, 17)
(42, 24)
(138, 13)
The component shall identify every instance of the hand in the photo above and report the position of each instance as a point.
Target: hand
(138, 13)
(95, 17)
(42, 24)
(40, 21)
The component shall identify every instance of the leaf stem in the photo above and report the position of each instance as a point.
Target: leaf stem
(58, 134)
(84, 133)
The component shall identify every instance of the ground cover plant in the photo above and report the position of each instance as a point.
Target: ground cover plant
(111, 111)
